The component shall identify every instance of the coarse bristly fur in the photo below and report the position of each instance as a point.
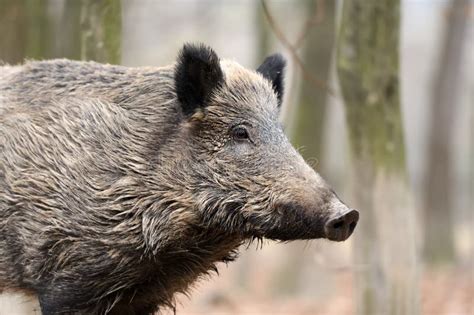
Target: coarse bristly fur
(119, 187)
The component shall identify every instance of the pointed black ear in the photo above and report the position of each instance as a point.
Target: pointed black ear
(197, 74)
(273, 69)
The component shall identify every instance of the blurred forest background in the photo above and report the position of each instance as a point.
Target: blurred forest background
(380, 101)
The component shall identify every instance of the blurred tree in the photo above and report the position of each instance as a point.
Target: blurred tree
(13, 31)
(88, 29)
(318, 44)
(25, 30)
(439, 181)
(67, 31)
(264, 34)
(39, 29)
(385, 241)
(101, 23)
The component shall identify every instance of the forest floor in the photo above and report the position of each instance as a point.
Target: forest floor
(444, 292)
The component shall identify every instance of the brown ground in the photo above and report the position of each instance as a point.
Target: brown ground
(444, 292)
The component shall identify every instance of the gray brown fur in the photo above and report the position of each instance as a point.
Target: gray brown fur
(112, 200)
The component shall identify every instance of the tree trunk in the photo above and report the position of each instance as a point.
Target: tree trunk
(438, 199)
(13, 31)
(67, 31)
(101, 23)
(39, 30)
(311, 110)
(25, 31)
(88, 30)
(385, 240)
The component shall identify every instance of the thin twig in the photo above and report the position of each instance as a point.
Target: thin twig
(317, 17)
(294, 54)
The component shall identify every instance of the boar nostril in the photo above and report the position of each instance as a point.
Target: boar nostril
(338, 224)
(352, 227)
(342, 226)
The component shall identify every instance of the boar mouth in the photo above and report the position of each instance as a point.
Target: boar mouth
(295, 222)
(291, 221)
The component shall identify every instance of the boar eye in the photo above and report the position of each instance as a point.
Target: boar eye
(240, 133)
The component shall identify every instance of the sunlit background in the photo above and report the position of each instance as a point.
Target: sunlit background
(380, 101)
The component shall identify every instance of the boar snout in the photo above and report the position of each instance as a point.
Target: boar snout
(341, 226)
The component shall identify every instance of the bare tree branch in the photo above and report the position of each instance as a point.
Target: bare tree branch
(293, 50)
(317, 17)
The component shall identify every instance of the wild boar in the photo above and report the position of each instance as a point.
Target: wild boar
(119, 187)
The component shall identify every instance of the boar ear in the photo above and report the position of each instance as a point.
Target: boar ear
(197, 74)
(273, 69)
